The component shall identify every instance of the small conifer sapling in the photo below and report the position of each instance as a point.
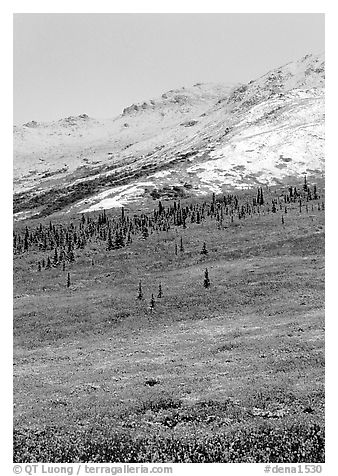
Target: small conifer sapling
(140, 293)
(204, 250)
(152, 302)
(206, 279)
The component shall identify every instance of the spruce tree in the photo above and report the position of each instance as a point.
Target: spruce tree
(206, 279)
(305, 187)
(160, 208)
(119, 240)
(181, 245)
(110, 244)
(68, 280)
(145, 232)
(204, 250)
(39, 266)
(152, 302)
(160, 294)
(140, 293)
(315, 196)
(56, 258)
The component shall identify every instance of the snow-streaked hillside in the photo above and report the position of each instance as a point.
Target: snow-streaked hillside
(199, 139)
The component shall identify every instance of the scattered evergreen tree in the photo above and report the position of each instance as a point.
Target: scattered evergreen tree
(204, 250)
(181, 245)
(140, 293)
(315, 195)
(39, 266)
(152, 302)
(160, 208)
(206, 279)
(305, 186)
(110, 244)
(175, 248)
(63, 266)
(26, 244)
(68, 280)
(260, 198)
(160, 294)
(56, 258)
(119, 240)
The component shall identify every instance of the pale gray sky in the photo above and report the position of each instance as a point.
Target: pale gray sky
(69, 64)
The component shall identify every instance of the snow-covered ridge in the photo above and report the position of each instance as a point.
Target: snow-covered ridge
(204, 138)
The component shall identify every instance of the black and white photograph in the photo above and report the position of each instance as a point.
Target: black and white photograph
(168, 241)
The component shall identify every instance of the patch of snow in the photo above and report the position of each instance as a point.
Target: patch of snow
(120, 196)
(161, 174)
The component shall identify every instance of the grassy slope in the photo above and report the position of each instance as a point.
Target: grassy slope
(242, 357)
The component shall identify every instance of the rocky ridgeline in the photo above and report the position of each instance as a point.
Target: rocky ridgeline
(306, 73)
(210, 135)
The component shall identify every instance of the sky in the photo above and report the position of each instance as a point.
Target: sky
(70, 64)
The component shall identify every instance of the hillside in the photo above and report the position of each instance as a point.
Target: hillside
(232, 372)
(176, 325)
(199, 139)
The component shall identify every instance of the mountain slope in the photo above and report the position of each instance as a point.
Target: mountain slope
(205, 138)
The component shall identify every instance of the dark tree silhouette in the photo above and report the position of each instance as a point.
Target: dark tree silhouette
(204, 250)
(305, 186)
(110, 244)
(206, 282)
(152, 302)
(140, 293)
